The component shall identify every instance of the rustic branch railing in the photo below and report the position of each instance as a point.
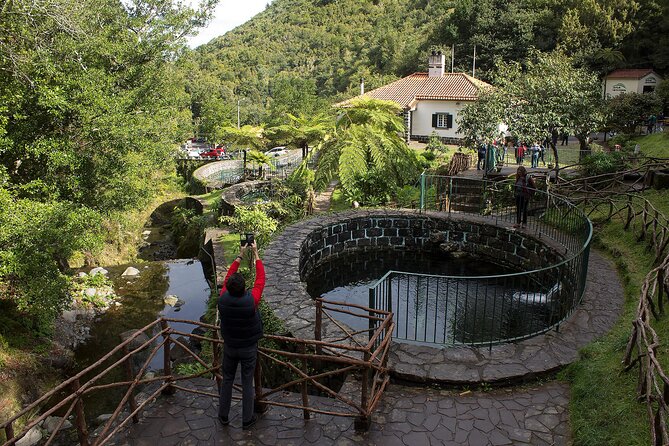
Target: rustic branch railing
(349, 355)
(459, 163)
(610, 196)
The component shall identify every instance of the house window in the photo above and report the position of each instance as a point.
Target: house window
(442, 120)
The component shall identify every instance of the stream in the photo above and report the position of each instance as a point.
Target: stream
(141, 300)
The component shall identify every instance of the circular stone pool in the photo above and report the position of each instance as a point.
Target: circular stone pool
(440, 301)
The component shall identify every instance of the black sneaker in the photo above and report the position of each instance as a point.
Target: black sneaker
(248, 425)
(224, 420)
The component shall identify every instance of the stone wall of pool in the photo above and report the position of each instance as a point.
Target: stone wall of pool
(302, 246)
(231, 196)
(425, 232)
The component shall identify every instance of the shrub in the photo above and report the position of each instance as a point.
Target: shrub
(435, 143)
(603, 162)
(255, 220)
(407, 196)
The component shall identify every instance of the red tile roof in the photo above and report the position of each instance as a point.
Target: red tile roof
(630, 73)
(419, 86)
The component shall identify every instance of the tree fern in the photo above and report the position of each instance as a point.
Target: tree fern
(367, 149)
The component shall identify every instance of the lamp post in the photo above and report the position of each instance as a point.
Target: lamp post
(238, 101)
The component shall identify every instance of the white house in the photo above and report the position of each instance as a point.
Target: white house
(431, 101)
(630, 81)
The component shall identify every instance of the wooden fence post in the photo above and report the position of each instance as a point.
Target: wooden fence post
(167, 362)
(9, 431)
(80, 417)
(305, 394)
(131, 377)
(257, 380)
(362, 421)
(215, 348)
(318, 331)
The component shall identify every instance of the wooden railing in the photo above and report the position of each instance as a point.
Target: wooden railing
(459, 162)
(363, 353)
(610, 197)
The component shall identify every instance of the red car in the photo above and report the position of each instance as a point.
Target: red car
(218, 152)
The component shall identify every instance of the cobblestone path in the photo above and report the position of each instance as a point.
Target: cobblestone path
(410, 416)
(322, 201)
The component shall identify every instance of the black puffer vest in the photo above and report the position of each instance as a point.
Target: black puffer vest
(240, 321)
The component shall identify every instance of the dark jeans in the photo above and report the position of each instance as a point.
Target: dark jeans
(481, 162)
(521, 209)
(231, 357)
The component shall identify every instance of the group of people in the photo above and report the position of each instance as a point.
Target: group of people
(494, 154)
(655, 124)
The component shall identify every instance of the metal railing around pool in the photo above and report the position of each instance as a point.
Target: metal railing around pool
(486, 310)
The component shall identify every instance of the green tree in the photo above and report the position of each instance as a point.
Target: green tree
(367, 153)
(544, 93)
(627, 112)
(244, 137)
(36, 241)
(292, 95)
(259, 159)
(303, 131)
(93, 104)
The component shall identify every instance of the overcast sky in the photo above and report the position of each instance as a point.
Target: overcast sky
(228, 15)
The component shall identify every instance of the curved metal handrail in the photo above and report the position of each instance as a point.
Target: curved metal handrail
(558, 287)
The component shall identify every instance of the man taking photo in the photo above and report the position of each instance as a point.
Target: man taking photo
(241, 329)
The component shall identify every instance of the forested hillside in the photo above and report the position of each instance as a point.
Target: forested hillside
(299, 49)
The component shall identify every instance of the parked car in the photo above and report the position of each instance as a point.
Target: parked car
(277, 151)
(193, 154)
(217, 153)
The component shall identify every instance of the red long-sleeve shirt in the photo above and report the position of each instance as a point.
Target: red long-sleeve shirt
(259, 284)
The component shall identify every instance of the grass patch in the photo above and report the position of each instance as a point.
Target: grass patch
(338, 202)
(604, 409)
(655, 145)
(211, 198)
(231, 247)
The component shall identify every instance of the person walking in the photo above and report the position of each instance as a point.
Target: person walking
(241, 328)
(481, 153)
(520, 153)
(534, 150)
(523, 190)
(565, 138)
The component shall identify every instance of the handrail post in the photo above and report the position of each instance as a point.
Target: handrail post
(422, 191)
(450, 193)
(305, 395)
(257, 380)
(318, 330)
(372, 324)
(167, 363)
(9, 431)
(216, 357)
(129, 373)
(362, 421)
(80, 417)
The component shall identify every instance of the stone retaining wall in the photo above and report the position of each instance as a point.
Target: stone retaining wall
(231, 196)
(202, 174)
(301, 247)
(411, 231)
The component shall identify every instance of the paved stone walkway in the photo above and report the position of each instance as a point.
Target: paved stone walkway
(595, 316)
(600, 308)
(322, 200)
(410, 416)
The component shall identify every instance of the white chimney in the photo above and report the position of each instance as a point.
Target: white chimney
(362, 86)
(436, 64)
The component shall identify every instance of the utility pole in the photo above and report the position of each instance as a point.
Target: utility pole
(474, 63)
(452, 57)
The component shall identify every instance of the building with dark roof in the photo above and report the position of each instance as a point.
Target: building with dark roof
(643, 80)
(431, 101)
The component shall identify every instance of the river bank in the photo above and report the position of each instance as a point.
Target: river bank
(32, 363)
